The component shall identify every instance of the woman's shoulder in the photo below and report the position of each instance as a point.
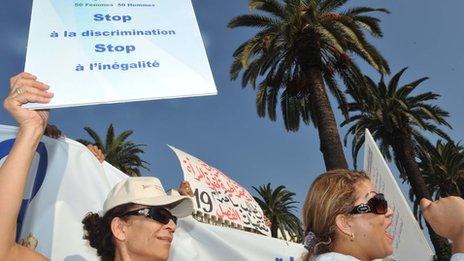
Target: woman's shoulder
(332, 256)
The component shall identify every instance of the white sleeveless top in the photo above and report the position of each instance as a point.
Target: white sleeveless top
(332, 256)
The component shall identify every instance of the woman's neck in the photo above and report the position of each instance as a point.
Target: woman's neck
(349, 248)
(122, 254)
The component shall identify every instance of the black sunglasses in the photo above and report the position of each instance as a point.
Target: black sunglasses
(377, 205)
(159, 214)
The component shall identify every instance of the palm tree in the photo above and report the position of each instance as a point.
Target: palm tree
(278, 206)
(299, 50)
(119, 152)
(396, 118)
(442, 167)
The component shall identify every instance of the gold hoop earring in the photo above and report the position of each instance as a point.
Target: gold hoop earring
(352, 236)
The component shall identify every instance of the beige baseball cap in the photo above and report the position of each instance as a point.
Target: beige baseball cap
(147, 191)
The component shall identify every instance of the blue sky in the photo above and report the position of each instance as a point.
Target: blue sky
(224, 130)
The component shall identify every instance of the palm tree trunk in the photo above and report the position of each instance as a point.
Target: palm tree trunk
(274, 228)
(405, 153)
(331, 145)
(330, 142)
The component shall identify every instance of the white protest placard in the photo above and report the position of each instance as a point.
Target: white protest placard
(409, 242)
(220, 196)
(107, 51)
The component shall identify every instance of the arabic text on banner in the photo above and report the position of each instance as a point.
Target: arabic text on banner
(218, 195)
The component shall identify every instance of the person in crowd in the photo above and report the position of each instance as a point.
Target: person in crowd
(142, 220)
(346, 219)
(138, 221)
(52, 131)
(96, 152)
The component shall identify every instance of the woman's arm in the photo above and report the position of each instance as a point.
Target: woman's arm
(24, 88)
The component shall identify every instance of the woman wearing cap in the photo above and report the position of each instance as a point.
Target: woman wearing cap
(345, 218)
(138, 221)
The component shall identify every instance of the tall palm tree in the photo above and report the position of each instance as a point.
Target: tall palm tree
(442, 167)
(299, 50)
(119, 152)
(396, 118)
(278, 206)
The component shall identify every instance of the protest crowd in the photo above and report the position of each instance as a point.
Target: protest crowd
(345, 218)
(79, 206)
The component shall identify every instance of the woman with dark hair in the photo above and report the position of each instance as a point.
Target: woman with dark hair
(138, 221)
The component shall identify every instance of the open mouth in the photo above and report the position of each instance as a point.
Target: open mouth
(389, 236)
(388, 232)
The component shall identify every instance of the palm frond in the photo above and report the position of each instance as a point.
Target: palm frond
(119, 152)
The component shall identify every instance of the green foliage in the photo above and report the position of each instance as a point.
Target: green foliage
(119, 152)
(442, 167)
(388, 109)
(297, 34)
(279, 206)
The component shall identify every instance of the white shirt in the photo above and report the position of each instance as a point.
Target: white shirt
(332, 256)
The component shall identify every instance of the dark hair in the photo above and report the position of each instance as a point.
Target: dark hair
(97, 230)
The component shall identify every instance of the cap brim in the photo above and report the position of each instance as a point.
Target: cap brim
(180, 206)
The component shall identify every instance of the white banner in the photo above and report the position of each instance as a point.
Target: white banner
(106, 51)
(195, 241)
(409, 242)
(218, 195)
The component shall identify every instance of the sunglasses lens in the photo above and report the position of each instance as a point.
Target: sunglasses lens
(378, 204)
(162, 215)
